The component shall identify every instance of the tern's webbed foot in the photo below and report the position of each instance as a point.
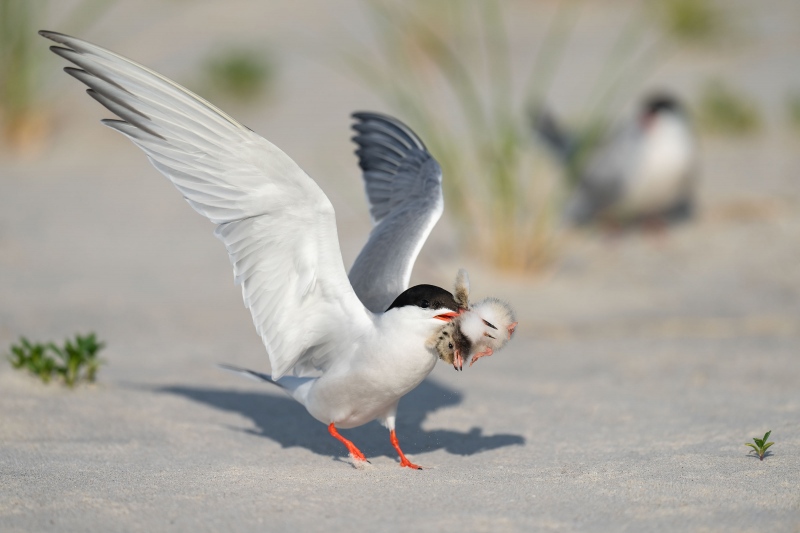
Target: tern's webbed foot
(403, 459)
(405, 462)
(355, 453)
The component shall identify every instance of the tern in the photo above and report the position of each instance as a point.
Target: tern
(346, 349)
(642, 170)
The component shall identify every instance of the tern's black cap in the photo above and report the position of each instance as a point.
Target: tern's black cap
(662, 101)
(426, 296)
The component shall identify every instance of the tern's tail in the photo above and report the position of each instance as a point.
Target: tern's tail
(252, 374)
(295, 386)
(552, 134)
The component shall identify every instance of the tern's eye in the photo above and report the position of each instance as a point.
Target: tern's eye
(424, 304)
(450, 345)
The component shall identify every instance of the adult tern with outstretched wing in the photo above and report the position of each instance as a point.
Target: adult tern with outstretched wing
(348, 364)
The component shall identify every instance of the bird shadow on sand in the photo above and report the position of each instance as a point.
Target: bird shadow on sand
(286, 422)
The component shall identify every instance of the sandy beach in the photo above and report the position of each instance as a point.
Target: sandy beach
(642, 363)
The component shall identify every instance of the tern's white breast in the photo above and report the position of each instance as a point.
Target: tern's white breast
(387, 363)
(661, 173)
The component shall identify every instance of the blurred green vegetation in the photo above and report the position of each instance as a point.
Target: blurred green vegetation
(444, 66)
(73, 362)
(724, 110)
(644, 43)
(239, 73)
(793, 110)
(690, 20)
(18, 68)
(23, 121)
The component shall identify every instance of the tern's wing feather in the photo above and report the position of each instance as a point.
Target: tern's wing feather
(602, 182)
(404, 189)
(277, 224)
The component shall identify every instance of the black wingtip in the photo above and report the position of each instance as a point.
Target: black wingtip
(55, 48)
(367, 115)
(390, 122)
(361, 115)
(62, 51)
(364, 116)
(74, 71)
(53, 35)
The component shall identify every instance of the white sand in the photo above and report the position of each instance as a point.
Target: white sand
(640, 367)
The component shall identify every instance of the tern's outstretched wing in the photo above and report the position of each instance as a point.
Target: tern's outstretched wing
(277, 224)
(404, 189)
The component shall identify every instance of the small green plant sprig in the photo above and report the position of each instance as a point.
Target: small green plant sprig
(761, 445)
(75, 361)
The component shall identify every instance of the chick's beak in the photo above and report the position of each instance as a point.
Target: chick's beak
(458, 361)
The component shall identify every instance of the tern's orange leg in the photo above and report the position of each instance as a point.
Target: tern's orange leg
(403, 460)
(486, 352)
(355, 453)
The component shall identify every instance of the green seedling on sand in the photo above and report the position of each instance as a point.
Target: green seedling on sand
(75, 361)
(761, 445)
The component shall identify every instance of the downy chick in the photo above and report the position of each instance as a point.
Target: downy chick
(478, 331)
(487, 326)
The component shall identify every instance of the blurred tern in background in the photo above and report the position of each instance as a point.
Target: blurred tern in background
(351, 364)
(644, 170)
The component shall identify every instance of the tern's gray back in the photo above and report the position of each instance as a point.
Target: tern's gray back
(603, 177)
(403, 183)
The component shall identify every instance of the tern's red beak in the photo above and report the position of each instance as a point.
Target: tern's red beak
(447, 317)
